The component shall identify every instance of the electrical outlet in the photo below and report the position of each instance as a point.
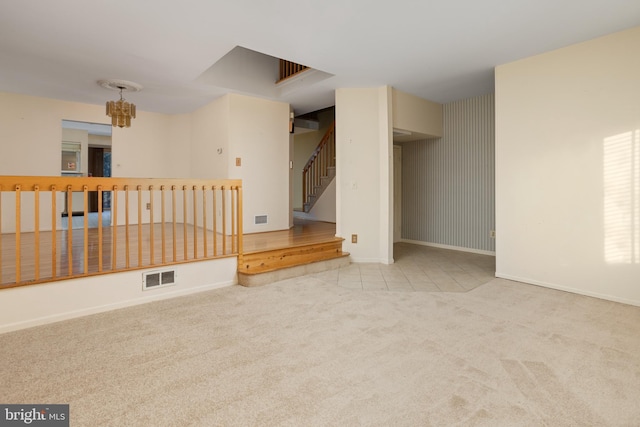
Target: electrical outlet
(238, 161)
(492, 234)
(148, 206)
(354, 238)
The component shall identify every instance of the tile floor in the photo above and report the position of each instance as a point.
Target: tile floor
(418, 269)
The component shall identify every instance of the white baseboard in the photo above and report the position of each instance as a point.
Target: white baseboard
(568, 289)
(453, 248)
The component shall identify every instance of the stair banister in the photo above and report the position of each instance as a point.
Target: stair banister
(317, 167)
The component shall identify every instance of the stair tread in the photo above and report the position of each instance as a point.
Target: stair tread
(269, 269)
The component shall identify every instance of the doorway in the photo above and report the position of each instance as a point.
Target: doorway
(86, 152)
(99, 166)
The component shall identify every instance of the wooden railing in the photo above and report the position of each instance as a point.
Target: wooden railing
(317, 167)
(151, 223)
(288, 69)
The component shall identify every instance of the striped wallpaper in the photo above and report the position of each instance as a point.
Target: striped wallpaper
(448, 195)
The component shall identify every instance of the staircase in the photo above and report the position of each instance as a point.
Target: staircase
(320, 169)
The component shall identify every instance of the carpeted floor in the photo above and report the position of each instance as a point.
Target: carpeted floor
(310, 352)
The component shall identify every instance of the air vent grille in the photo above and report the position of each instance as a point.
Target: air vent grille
(158, 279)
(261, 219)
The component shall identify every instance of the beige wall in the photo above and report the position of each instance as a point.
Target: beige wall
(156, 145)
(259, 136)
(567, 162)
(364, 182)
(256, 131)
(210, 140)
(416, 115)
(31, 136)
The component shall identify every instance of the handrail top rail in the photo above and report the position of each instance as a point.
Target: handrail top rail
(77, 183)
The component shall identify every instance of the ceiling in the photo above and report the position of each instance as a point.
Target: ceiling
(438, 50)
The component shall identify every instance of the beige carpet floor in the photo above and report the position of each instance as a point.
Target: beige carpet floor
(308, 352)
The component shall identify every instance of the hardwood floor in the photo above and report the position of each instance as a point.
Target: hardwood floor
(71, 261)
(303, 232)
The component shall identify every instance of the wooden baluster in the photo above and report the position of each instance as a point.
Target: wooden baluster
(173, 205)
(69, 231)
(86, 229)
(233, 220)
(18, 215)
(224, 222)
(304, 187)
(195, 222)
(184, 221)
(99, 228)
(54, 238)
(162, 230)
(139, 189)
(240, 227)
(114, 229)
(204, 221)
(151, 242)
(322, 162)
(215, 215)
(36, 234)
(127, 239)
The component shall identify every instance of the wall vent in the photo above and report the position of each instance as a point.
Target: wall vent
(158, 279)
(260, 219)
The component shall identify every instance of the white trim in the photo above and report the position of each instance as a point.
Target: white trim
(453, 248)
(568, 289)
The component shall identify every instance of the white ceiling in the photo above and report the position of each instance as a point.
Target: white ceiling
(439, 50)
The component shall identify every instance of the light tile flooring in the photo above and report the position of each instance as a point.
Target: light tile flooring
(418, 269)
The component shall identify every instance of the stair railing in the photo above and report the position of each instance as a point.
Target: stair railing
(289, 69)
(322, 158)
(153, 222)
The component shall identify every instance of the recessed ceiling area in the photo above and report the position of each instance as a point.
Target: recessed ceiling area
(245, 70)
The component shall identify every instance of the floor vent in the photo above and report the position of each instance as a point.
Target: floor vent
(158, 279)
(260, 219)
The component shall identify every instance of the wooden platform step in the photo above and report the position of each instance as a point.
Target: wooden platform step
(259, 268)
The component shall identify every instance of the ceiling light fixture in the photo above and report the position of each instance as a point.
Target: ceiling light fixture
(121, 111)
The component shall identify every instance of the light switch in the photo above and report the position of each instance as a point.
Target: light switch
(238, 161)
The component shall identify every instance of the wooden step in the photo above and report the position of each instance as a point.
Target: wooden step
(259, 268)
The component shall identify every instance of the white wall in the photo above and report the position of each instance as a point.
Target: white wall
(363, 182)
(325, 207)
(568, 168)
(28, 306)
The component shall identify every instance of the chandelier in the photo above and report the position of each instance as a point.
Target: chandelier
(121, 111)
